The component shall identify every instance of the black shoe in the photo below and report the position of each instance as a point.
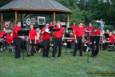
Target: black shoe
(17, 57)
(47, 56)
(32, 54)
(28, 55)
(74, 54)
(92, 56)
(59, 56)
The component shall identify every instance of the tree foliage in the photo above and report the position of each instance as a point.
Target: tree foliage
(3, 2)
(89, 10)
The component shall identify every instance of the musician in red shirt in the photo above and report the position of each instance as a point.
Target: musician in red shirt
(111, 38)
(2, 33)
(95, 41)
(37, 37)
(58, 34)
(46, 42)
(89, 29)
(17, 40)
(74, 27)
(79, 34)
(9, 38)
(32, 35)
(51, 24)
(16, 29)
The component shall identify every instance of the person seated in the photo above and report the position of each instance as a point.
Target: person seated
(111, 38)
(105, 43)
(37, 39)
(106, 33)
(69, 35)
(2, 35)
(9, 40)
(111, 46)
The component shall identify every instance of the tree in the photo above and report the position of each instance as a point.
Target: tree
(111, 14)
(3, 2)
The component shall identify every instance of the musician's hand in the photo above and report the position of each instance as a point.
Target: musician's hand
(75, 38)
(83, 39)
(76, 41)
(35, 41)
(51, 38)
(62, 38)
(30, 41)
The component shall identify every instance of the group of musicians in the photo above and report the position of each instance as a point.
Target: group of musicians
(52, 36)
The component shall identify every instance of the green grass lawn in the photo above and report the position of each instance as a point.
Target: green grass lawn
(65, 66)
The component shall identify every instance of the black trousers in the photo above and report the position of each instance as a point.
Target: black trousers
(69, 44)
(78, 46)
(17, 44)
(105, 45)
(46, 48)
(95, 45)
(32, 51)
(57, 48)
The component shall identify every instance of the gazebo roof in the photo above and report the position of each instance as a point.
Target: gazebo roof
(35, 5)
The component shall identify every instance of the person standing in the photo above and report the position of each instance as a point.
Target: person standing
(90, 29)
(58, 35)
(17, 40)
(2, 33)
(95, 41)
(32, 35)
(74, 27)
(37, 39)
(79, 35)
(9, 38)
(46, 42)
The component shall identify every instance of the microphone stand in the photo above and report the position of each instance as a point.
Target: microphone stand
(88, 50)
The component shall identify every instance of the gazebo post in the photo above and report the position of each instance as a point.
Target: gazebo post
(16, 17)
(2, 19)
(54, 18)
(22, 19)
(68, 21)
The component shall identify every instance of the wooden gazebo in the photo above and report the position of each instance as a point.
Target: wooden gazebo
(19, 7)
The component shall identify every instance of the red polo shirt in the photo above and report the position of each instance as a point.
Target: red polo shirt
(90, 28)
(51, 25)
(9, 39)
(16, 30)
(59, 32)
(74, 27)
(2, 33)
(32, 34)
(79, 31)
(46, 36)
(97, 32)
(112, 39)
